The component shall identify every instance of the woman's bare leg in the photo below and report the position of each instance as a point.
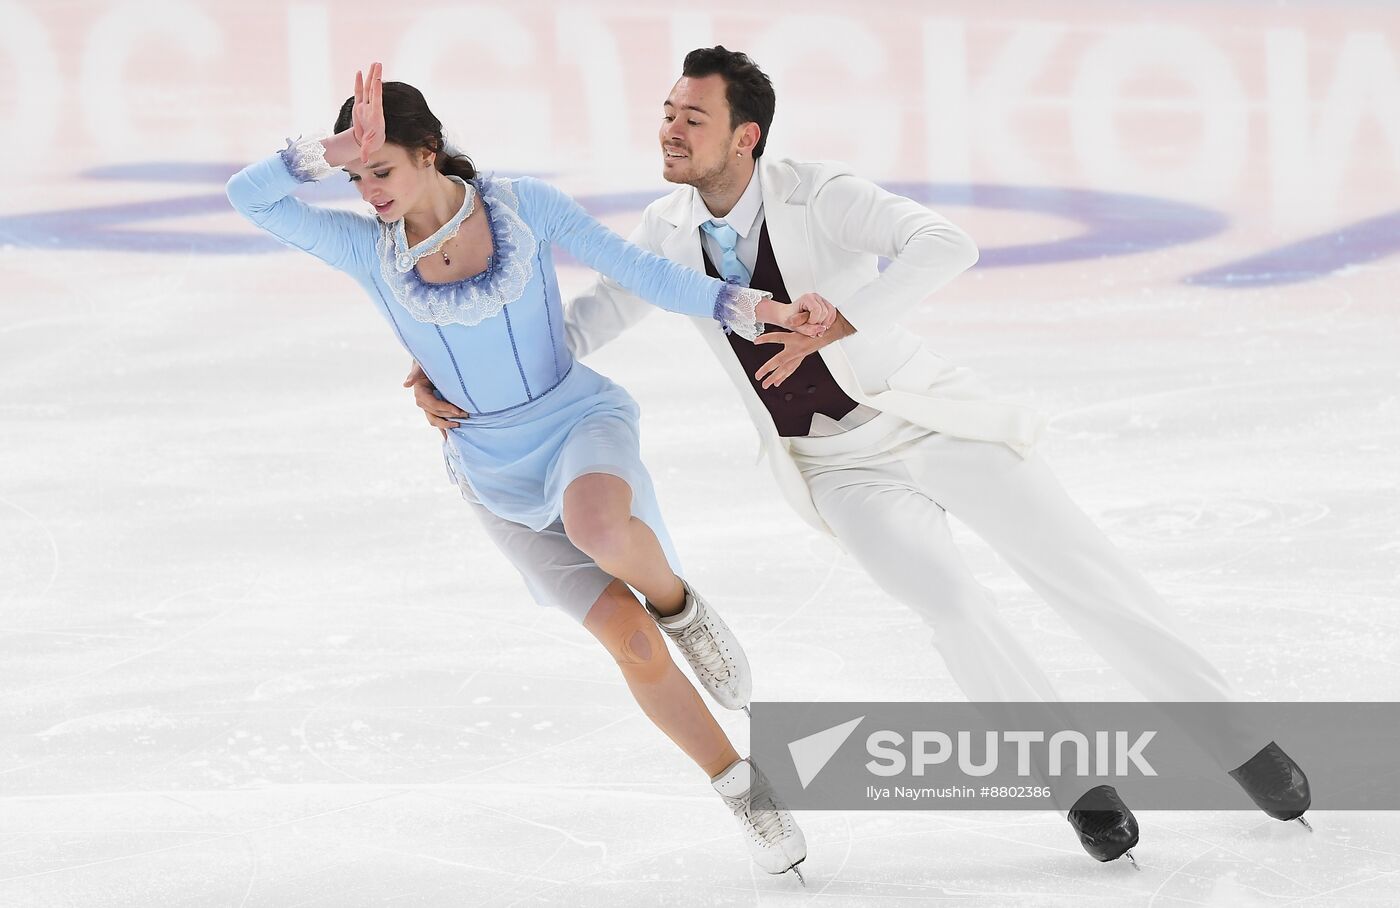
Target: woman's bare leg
(668, 698)
(598, 520)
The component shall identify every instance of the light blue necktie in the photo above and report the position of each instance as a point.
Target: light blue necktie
(730, 267)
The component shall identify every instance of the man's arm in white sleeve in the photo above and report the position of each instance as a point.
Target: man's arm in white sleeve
(925, 249)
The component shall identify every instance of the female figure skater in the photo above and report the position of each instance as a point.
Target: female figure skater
(460, 267)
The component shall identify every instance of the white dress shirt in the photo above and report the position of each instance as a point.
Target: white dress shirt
(746, 217)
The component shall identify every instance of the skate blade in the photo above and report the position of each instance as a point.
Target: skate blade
(800, 878)
(1306, 824)
(1132, 860)
(745, 708)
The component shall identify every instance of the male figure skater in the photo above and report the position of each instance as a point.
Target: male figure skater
(875, 438)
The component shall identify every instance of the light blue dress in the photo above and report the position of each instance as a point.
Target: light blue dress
(494, 344)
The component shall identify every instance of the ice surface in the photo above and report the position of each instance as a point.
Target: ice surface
(255, 651)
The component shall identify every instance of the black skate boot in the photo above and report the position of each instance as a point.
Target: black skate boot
(1107, 828)
(1275, 783)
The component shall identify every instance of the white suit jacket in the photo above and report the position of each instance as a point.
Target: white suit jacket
(828, 229)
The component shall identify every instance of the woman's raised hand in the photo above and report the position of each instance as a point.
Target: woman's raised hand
(367, 116)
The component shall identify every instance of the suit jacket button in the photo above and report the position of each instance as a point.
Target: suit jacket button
(787, 396)
(811, 389)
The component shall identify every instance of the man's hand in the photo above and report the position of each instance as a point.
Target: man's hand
(439, 412)
(796, 348)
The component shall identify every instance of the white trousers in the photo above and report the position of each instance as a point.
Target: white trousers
(885, 489)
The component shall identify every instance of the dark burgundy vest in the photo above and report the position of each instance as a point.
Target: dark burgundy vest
(810, 389)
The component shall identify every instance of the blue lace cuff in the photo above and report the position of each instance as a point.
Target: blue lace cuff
(306, 159)
(736, 310)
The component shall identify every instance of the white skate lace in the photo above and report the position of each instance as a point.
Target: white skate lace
(699, 642)
(764, 822)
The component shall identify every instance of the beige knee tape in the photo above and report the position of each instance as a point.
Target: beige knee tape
(631, 636)
(664, 693)
(635, 648)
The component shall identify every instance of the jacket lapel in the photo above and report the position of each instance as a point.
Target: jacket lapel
(788, 233)
(787, 226)
(681, 244)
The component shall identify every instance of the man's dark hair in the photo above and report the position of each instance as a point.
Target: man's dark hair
(748, 91)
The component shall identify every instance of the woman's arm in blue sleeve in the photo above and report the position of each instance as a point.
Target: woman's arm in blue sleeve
(556, 218)
(262, 193)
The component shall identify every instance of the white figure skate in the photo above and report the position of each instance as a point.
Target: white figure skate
(711, 649)
(775, 843)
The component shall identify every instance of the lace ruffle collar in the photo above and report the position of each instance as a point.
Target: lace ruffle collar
(406, 257)
(474, 299)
